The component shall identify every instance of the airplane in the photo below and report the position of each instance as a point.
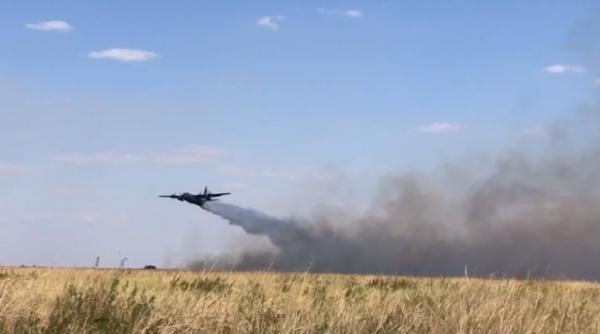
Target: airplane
(199, 199)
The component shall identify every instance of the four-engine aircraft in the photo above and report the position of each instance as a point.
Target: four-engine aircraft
(198, 199)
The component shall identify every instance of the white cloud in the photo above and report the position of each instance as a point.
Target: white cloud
(185, 156)
(438, 128)
(351, 13)
(55, 25)
(597, 82)
(123, 55)
(270, 22)
(558, 69)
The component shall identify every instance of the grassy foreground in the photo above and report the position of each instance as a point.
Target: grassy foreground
(134, 301)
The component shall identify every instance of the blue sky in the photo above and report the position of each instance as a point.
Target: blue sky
(289, 105)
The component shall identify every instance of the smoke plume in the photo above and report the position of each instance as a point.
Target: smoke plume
(531, 213)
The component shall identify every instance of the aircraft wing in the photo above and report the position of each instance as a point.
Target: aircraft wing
(219, 194)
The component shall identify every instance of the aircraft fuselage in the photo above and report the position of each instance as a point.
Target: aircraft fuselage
(199, 199)
(194, 199)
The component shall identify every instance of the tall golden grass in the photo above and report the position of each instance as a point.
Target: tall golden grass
(136, 301)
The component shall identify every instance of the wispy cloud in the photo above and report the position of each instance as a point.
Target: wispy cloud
(270, 22)
(353, 13)
(185, 156)
(55, 25)
(6, 168)
(350, 13)
(67, 191)
(438, 128)
(559, 69)
(97, 158)
(190, 155)
(88, 217)
(218, 160)
(597, 82)
(123, 55)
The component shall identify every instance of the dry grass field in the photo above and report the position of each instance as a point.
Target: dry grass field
(38, 300)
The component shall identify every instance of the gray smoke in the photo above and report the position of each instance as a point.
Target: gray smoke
(533, 212)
